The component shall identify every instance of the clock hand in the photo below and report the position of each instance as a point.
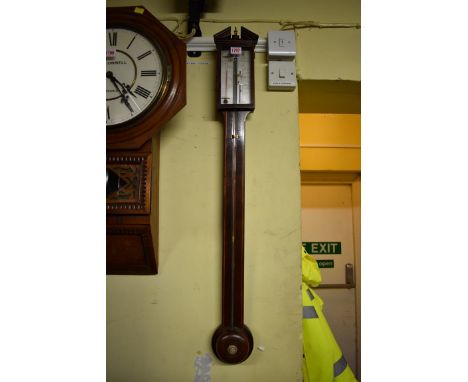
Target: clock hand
(115, 82)
(124, 97)
(124, 90)
(127, 89)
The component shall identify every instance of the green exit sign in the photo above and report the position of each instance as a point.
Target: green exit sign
(323, 247)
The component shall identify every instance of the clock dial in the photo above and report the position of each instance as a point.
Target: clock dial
(136, 75)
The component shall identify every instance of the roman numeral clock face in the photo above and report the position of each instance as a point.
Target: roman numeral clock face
(136, 75)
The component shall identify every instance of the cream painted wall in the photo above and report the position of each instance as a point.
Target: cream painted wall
(158, 325)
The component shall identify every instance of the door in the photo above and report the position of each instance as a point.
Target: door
(330, 233)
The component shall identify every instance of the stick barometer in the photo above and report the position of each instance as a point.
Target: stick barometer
(232, 341)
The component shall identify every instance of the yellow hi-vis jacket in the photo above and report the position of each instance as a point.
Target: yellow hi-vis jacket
(323, 359)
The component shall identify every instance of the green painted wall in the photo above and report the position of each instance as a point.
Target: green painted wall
(158, 325)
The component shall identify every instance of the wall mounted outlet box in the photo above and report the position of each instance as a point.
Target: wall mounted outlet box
(281, 45)
(282, 75)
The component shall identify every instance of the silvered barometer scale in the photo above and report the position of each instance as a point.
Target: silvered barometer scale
(232, 341)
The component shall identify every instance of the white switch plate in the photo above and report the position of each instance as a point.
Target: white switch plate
(281, 45)
(282, 75)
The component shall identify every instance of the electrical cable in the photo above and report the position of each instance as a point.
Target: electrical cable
(285, 24)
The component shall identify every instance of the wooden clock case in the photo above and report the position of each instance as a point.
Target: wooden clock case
(133, 151)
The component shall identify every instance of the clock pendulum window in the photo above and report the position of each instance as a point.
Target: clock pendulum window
(232, 342)
(145, 87)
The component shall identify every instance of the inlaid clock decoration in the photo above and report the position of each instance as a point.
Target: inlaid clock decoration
(232, 342)
(145, 88)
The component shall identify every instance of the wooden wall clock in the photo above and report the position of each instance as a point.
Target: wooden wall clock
(145, 88)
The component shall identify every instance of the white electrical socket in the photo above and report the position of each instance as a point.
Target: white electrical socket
(282, 75)
(281, 45)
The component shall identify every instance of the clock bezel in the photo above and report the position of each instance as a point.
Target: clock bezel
(166, 71)
(134, 133)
